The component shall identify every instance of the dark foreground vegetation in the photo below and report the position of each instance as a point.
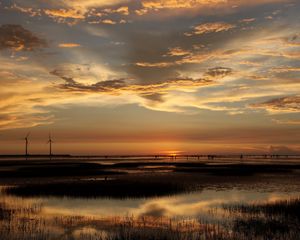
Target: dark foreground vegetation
(278, 220)
(49, 169)
(115, 188)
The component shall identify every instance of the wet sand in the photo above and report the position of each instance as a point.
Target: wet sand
(75, 178)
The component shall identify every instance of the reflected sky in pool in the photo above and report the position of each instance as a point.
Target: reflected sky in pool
(183, 205)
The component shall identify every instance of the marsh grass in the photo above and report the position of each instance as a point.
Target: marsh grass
(114, 188)
(274, 220)
(17, 222)
(28, 222)
(284, 209)
(279, 220)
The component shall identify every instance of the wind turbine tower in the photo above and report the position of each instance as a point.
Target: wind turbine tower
(50, 141)
(26, 144)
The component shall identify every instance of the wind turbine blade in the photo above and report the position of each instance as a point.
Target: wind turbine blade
(27, 135)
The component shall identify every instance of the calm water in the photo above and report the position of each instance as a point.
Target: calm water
(200, 214)
(79, 218)
(191, 205)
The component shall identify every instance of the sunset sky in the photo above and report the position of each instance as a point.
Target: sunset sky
(150, 76)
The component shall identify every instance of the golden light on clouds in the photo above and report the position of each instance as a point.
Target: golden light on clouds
(64, 13)
(161, 4)
(109, 21)
(195, 65)
(211, 27)
(68, 45)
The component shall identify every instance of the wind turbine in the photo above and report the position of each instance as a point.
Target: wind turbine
(50, 145)
(26, 144)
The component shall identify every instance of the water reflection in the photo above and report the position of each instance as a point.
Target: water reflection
(184, 205)
(163, 201)
(181, 205)
(84, 218)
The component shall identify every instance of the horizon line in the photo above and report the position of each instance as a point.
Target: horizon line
(153, 155)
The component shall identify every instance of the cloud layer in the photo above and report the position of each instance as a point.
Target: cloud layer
(17, 38)
(226, 63)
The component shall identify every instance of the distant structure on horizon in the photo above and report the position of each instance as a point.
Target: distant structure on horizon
(26, 144)
(50, 141)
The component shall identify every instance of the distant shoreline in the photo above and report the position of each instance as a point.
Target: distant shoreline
(241, 156)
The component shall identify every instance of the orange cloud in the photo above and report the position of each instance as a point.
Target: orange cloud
(210, 7)
(177, 51)
(286, 121)
(187, 57)
(158, 64)
(120, 86)
(171, 4)
(121, 10)
(30, 11)
(88, 4)
(68, 45)
(17, 38)
(109, 21)
(210, 28)
(247, 20)
(285, 69)
(284, 104)
(64, 13)
(21, 120)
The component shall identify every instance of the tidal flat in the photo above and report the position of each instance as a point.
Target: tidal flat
(149, 199)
